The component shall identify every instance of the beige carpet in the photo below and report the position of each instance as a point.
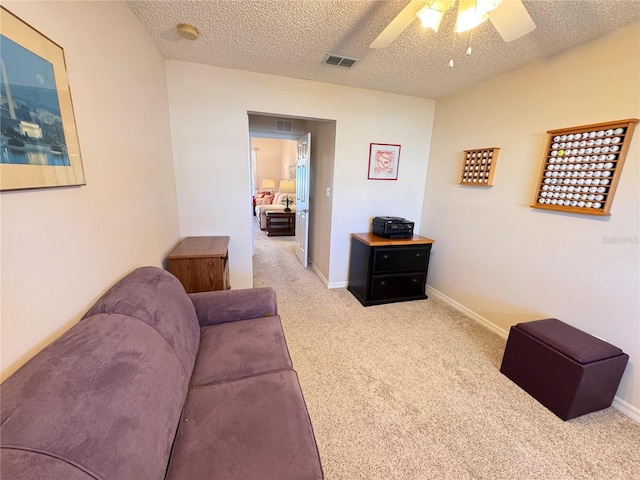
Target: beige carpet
(413, 390)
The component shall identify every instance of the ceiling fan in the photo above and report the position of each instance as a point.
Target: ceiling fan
(509, 17)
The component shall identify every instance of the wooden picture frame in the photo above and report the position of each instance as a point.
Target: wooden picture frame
(478, 167)
(39, 144)
(582, 166)
(384, 159)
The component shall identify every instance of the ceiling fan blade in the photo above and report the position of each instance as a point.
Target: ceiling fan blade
(398, 24)
(511, 20)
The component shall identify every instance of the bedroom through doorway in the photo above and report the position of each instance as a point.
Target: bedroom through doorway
(273, 180)
(276, 168)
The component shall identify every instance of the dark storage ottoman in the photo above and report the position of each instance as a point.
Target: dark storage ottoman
(567, 370)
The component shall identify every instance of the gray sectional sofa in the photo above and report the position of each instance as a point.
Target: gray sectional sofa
(153, 383)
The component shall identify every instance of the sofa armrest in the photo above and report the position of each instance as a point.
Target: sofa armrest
(230, 305)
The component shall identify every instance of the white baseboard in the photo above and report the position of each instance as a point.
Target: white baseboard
(623, 407)
(626, 409)
(469, 313)
(319, 273)
(325, 281)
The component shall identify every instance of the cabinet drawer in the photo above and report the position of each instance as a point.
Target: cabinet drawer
(390, 286)
(201, 274)
(201, 263)
(389, 260)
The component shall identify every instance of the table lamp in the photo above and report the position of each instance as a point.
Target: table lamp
(268, 184)
(287, 186)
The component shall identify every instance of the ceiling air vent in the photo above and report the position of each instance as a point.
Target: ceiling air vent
(283, 126)
(339, 61)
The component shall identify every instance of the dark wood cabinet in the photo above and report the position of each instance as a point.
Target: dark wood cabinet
(383, 270)
(201, 263)
(281, 223)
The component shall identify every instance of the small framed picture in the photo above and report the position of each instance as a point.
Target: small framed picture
(383, 161)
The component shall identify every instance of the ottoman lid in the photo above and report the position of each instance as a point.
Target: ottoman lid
(575, 344)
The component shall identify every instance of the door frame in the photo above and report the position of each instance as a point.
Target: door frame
(294, 136)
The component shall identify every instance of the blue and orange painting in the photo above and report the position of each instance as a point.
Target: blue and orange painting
(31, 130)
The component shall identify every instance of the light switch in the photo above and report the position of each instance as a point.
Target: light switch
(327, 192)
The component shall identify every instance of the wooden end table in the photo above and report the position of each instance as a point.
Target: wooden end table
(281, 224)
(201, 263)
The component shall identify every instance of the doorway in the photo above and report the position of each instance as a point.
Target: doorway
(263, 127)
(273, 172)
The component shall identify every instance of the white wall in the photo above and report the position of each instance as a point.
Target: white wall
(265, 125)
(209, 106)
(288, 159)
(323, 142)
(273, 158)
(62, 247)
(510, 263)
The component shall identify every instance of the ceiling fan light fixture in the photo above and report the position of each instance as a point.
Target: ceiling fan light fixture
(510, 18)
(487, 5)
(430, 17)
(469, 16)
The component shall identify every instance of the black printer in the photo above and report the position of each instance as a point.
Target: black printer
(392, 227)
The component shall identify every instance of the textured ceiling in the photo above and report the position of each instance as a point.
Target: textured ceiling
(292, 38)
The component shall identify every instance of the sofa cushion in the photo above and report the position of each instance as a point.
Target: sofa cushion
(230, 305)
(254, 428)
(104, 398)
(19, 464)
(156, 297)
(230, 351)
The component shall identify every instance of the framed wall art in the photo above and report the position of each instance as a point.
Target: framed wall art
(581, 167)
(478, 167)
(383, 161)
(38, 140)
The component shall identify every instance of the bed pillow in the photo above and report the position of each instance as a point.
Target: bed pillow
(283, 199)
(268, 199)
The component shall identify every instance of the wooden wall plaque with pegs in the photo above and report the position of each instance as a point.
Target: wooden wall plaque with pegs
(582, 166)
(478, 167)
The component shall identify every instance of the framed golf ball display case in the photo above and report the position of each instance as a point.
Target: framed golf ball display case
(478, 167)
(582, 166)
